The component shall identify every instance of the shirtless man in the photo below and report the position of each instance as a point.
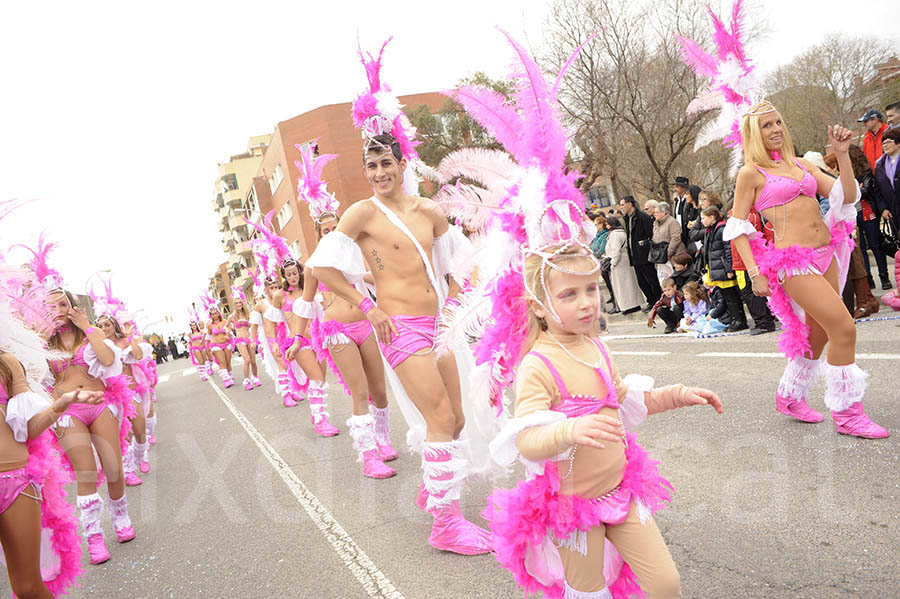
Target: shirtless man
(408, 290)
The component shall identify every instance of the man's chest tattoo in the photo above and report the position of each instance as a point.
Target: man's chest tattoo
(378, 261)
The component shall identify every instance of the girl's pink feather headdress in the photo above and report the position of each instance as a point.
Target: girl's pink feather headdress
(733, 88)
(257, 283)
(270, 249)
(310, 186)
(532, 204)
(378, 111)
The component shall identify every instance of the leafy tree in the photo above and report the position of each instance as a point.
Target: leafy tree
(451, 128)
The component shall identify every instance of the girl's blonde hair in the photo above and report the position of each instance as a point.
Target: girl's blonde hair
(751, 136)
(532, 270)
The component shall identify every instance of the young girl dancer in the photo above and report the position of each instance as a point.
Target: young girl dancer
(220, 345)
(263, 322)
(593, 489)
(803, 270)
(341, 334)
(239, 323)
(297, 348)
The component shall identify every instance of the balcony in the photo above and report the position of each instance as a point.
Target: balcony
(229, 242)
(233, 198)
(219, 201)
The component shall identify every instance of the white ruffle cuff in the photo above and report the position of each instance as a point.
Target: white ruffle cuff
(504, 450)
(96, 368)
(633, 408)
(337, 250)
(22, 408)
(735, 227)
(256, 318)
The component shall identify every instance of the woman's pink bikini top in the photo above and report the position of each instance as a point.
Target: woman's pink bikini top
(780, 189)
(288, 305)
(197, 337)
(215, 331)
(241, 324)
(77, 359)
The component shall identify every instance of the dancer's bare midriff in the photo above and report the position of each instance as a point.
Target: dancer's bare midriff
(798, 222)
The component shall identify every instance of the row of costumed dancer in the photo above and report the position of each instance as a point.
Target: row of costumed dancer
(581, 524)
(78, 401)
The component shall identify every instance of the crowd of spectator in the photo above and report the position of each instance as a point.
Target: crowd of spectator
(668, 258)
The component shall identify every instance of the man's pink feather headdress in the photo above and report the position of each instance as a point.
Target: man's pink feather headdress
(733, 89)
(310, 186)
(270, 248)
(378, 111)
(208, 302)
(530, 205)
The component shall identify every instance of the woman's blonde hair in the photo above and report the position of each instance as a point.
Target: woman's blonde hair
(751, 136)
(324, 218)
(534, 270)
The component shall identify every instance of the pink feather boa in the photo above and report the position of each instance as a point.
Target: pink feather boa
(523, 516)
(319, 332)
(57, 514)
(284, 341)
(794, 339)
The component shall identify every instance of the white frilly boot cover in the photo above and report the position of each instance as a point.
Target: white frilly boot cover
(445, 465)
(844, 390)
(793, 390)
(362, 432)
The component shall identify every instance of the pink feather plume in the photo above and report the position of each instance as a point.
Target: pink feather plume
(310, 186)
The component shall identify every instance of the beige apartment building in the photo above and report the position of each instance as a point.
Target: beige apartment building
(232, 202)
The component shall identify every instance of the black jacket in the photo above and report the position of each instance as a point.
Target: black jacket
(685, 276)
(686, 212)
(638, 232)
(888, 198)
(718, 307)
(717, 253)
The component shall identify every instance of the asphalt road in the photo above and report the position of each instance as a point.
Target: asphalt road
(245, 501)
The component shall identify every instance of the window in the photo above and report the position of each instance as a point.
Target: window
(230, 181)
(276, 178)
(284, 215)
(295, 249)
(251, 200)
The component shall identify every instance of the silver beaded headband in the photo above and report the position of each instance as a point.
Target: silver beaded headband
(547, 261)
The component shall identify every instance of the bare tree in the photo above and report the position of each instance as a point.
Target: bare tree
(626, 93)
(833, 81)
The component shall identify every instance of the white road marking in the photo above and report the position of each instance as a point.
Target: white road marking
(646, 336)
(189, 371)
(639, 353)
(163, 378)
(366, 572)
(713, 354)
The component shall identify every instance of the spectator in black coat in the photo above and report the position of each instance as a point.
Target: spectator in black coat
(889, 186)
(638, 227)
(173, 349)
(686, 206)
(719, 268)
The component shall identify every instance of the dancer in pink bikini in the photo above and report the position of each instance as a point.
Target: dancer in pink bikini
(802, 271)
(263, 322)
(297, 348)
(239, 324)
(408, 246)
(131, 354)
(197, 349)
(340, 333)
(220, 344)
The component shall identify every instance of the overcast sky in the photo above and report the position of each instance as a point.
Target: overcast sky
(114, 115)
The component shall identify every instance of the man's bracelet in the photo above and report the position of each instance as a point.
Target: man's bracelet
(366, 305)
